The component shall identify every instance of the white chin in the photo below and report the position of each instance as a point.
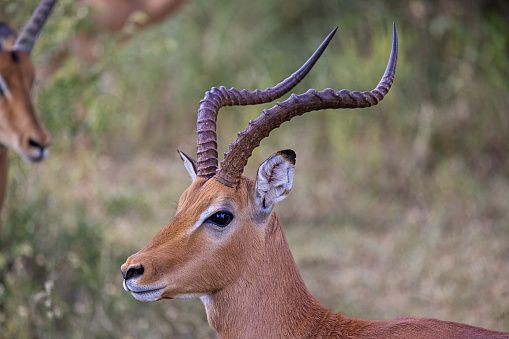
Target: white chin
(35, 158)
(148, 296)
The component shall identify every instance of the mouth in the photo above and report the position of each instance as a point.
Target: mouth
(144, 294)
(35, 158)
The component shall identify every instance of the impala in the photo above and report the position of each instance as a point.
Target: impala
(114, 15)
(123, 18)
(226, 246)
(20, 127)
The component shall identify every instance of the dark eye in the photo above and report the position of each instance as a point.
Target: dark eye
(221, 218)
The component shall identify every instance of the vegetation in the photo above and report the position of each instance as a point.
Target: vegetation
(402, 209)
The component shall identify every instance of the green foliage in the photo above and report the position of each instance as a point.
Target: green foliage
(418, 184)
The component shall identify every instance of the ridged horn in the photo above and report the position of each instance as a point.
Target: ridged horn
(30, 32)
(216, 98)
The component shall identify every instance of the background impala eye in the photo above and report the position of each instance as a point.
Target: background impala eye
(221, 218)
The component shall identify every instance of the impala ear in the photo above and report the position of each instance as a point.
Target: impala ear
(7, 37)
(189, 164)
(274, 179)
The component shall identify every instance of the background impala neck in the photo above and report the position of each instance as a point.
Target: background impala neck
(270, 300)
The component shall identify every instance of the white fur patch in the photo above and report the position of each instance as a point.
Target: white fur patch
(206, 300)
(274, 181)
(189, 296)
(5, 89)
(203, 216)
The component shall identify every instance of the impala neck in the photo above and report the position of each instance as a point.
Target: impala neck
(270, 300)
(4, 168)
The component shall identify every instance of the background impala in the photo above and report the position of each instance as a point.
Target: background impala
(414, 190)
(117, 15)
(20, 127)
(104, 20)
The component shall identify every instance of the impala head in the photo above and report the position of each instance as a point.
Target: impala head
(20, 127)
(224, 219)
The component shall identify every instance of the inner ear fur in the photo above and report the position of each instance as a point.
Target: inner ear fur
(189, 164)
(274, 179)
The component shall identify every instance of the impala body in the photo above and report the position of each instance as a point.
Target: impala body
(114, 15)
(121, 17)
(20, 127)
(226, 246)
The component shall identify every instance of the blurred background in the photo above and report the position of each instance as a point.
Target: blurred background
(401, 209)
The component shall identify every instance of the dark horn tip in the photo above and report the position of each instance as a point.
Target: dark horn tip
(334, 30)
(331, 35)
(395, 44)
(393, 57)
(289, 155)
(394, 33)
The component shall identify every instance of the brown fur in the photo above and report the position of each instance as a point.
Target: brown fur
(252, 285)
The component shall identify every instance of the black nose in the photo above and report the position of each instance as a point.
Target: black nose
(35, 144)
(133, 272)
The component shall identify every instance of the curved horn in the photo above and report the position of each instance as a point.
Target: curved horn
(30, 32)
(236, 158)
(216, 98)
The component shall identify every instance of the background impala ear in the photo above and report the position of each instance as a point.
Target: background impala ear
(189, 164)
(274, 179)
(7, 37)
